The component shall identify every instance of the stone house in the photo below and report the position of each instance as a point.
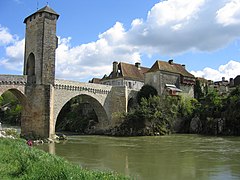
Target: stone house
(237, 80)
(95, 81)
(224, 87)
(124, 74)
(170, 78)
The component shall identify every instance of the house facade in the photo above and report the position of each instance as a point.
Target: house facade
(170, 78)
(124, 74)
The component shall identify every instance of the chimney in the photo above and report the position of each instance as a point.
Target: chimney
(231, 82)
(184, 66)
(170, 61)
(137, 64)
(115, 67)
(223, 79)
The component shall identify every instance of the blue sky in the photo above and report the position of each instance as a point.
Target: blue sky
(202, 34)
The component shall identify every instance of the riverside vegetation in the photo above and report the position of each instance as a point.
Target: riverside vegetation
(207, 113)
(18, 161)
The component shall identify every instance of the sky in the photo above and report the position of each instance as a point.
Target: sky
(202, 34)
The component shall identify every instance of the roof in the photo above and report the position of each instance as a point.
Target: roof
(172, 87)
(95, 80)
(44, 9)
(170, 67)
(128, 71)
(132, 72)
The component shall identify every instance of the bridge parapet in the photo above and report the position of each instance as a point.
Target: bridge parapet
(78, 86)
(13, 79)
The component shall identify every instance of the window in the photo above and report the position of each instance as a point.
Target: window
(30, 65)
(129, 84)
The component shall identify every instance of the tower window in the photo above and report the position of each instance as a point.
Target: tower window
(31, 65)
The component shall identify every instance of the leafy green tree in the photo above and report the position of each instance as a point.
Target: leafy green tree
(71, 117)
(198, 90)
(154, 115)
(11, 113)
(145, 92)
(232, 113)
(209, 110)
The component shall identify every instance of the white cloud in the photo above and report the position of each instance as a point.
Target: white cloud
(94, 59)
(173, 11)
(5, 36)
(229, 70)
(14, 56)
(229, 14)
(172, 27)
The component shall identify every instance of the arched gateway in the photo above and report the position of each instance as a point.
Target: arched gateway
(44, 96)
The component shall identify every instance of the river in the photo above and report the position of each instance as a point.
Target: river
(162, 157)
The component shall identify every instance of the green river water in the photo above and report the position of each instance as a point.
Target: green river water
(162, 157)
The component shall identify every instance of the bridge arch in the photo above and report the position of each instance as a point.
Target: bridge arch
(17, 92)
(22, 100)
(103, 120)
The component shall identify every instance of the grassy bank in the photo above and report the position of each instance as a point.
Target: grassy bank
(18, 161)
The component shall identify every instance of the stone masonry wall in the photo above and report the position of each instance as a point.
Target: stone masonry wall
(95, 94)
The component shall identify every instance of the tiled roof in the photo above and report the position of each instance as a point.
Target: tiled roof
(128, 71)
(47, 9)
(44, 9)
(170, 67)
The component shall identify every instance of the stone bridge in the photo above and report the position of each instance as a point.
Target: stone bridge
(105, 100)
(15, 84)
(43, 96)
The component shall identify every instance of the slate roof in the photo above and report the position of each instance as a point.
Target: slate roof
(128, 71)
(44, 9)
(170, 67)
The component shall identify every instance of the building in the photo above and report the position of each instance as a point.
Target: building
(124, 74)
(95, 81)
(237, 80)
(170, 78)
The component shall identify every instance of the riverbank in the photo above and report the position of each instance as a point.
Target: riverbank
(18, 161)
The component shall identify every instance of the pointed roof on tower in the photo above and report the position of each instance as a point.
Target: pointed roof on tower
(44, 9)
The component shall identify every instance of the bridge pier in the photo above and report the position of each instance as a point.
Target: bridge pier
(38, 120)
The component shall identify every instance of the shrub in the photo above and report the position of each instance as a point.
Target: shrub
(145, 92)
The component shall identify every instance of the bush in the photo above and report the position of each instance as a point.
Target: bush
(145, 92)
(153, 116)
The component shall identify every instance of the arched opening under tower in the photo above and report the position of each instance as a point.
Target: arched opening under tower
(82, 114)
(13, 104)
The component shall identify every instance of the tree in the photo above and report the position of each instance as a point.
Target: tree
(12, 112)
(198, 90)
(154, 115)
(145, 92)
(232, 113)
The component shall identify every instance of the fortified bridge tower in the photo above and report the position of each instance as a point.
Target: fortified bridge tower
(39, 66)
(44, 96)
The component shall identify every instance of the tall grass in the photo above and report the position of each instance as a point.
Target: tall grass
(18, 161)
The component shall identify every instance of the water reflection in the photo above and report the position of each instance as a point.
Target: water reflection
(165, 157)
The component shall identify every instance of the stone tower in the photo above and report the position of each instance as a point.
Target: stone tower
(39, 66)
